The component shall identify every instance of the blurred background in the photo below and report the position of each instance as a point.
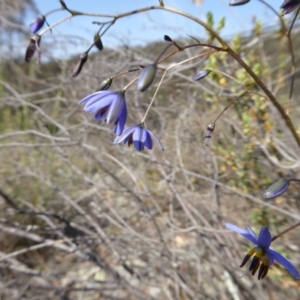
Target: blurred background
(82, 218)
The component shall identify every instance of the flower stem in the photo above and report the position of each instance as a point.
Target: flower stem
(285, 231)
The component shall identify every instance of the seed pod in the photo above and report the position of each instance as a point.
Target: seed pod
(82, 61)
(146, 77)
(98, 42)
(32, 47)
(277, 188)
(104, 85)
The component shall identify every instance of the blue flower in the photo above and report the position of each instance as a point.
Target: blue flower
(37, 24)
(263, 255)
(139, 136)
(109, 106)
(289, 5)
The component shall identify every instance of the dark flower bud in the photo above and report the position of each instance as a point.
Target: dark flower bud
(82, 61)
(33, 46)
(210, 130)
(63, 4)
(277, 188)
(201, 74)
(98, 42)
(104, 85)
(289, 5)
(37, 24)
(146, 77)
(167, 39)
(238, 2)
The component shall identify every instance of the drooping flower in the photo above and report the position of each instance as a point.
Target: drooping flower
(238, 2)
(201, 74)
(263, 256)
(277, 188)
(109, 106)
(146, 77)
(139, 136)
(289, 5)
(37, 24)
(33, 46)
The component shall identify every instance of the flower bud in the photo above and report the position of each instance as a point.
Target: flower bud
(201, 74)
(210, 130)
(37, 24)
(277, 188)
(146, 77)
(167, 38)
(238, 2)
(32, 47)
(82, 61)
(98, 42)
(104, 85)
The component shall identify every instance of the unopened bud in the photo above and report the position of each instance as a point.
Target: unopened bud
(167, 39)
(201, 74)
(37, 24)
(238, 2)
(98, 42)
(210, 130)
(104, 85)
(146, 77)
(277, 188)
(82, 61)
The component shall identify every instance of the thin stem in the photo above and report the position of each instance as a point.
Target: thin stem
(52, 11)
(165, 72)
(125, 72)
(232, 101)
(163, 52)
(55, 24)
(285, 231)
(130, 84)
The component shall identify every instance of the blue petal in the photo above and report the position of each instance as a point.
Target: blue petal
(96, 103)
(139, 135)
(264, 238)
(148, 142)
(284, 262)
(87, 98)
(245, 233)
(158, 141)
(139, 146)
(115, 109)
(125, 134)
(121, 121)
(277, 188)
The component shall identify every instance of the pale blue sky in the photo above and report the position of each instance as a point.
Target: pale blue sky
(149, 26)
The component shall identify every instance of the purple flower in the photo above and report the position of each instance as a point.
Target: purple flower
(37, 24)
(139, 136)
(263, 255)
(289, 5)
(109, 106)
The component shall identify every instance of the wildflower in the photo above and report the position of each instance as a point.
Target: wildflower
(201, 74)
(139, 136)
(83, 58)
(33, 46)
(264, 257)
(238, 2)
(277, 188)
(289, 5)
(109, 106)
(146, 77)
(37, 24)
